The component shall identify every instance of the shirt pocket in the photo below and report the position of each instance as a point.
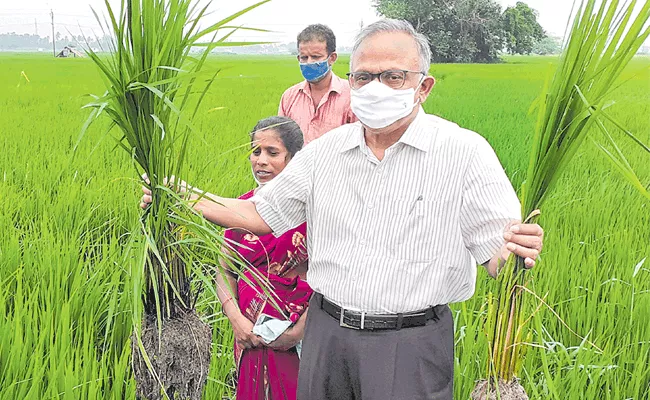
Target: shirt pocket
(418, 229)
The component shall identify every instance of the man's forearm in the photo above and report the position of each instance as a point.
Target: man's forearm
(494, 265)
(232, 213)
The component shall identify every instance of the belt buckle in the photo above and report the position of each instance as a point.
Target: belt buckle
(342, 324)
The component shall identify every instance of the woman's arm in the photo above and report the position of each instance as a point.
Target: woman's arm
(227, 292)
(228, 296)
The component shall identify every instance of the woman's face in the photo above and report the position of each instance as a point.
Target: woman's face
(269, 156)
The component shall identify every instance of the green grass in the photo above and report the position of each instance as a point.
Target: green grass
(65, 248)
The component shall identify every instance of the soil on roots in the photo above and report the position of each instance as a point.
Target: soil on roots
(507, 391)
(180, 359)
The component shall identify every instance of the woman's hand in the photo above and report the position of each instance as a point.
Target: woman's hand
(244, 336)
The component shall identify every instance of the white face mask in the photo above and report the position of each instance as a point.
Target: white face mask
(259, 184)
(377, 106)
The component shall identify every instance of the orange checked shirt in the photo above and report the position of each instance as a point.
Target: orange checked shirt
(332, 111)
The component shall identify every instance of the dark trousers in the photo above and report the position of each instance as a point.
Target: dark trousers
(345, 364)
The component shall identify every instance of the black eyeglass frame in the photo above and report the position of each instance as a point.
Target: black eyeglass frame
(378, 75)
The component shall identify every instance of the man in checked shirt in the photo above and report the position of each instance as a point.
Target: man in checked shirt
(400, 208)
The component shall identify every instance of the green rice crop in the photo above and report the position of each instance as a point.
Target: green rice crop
(599, 46)
(65, 247)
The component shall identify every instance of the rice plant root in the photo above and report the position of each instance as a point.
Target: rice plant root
(180, 359)
(485, 390)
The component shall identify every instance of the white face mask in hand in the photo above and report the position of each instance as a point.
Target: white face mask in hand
(377, 106)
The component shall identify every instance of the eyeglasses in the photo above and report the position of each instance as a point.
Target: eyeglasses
(393, 78)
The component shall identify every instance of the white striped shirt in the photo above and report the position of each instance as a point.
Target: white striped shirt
(400, 234)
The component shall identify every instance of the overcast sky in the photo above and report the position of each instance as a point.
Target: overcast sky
(285, 17)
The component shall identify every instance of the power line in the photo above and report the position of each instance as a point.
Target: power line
(19, 15)
(80, 26)
(57, 24)
(22, 24)
(53, 37)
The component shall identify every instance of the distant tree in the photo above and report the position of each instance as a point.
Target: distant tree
(548, 45)
(293, 48)
(65, 41)
(521, 28)
(14, 41)
(458, 30)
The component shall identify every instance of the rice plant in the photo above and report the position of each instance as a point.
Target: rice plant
(154, 87)
(600, 44)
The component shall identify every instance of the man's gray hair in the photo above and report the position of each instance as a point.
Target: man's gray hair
(397, 25)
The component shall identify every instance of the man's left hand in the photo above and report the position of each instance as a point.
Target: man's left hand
(524, 240)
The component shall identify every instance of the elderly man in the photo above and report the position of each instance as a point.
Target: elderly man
(399, 208)
(322, 101)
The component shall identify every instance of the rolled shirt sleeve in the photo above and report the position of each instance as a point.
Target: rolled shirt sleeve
(489, 203)
(282, 203)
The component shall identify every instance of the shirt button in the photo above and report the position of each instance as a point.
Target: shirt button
(379, 170)
(371, 206)
(362, 242)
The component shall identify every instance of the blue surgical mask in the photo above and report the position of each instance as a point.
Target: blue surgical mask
(315, 71)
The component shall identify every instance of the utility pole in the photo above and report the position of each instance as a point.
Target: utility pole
(53, 38)
(35, 26)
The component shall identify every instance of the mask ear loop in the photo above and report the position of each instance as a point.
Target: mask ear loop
(418, 87)
(259, 184)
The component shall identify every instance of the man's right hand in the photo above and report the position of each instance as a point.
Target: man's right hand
(146, 199)
(244, 336)
(229, 213)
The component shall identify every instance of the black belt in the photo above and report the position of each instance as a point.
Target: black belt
(360, 320)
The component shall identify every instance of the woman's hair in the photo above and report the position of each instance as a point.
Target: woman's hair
(286, 128)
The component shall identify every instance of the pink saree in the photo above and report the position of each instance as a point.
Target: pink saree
(264, 373)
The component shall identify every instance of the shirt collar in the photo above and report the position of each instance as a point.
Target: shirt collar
(415, 135)
(355, 138)
(336, 85)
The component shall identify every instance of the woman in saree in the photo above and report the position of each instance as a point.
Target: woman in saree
(267, 365)
(276, 266)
